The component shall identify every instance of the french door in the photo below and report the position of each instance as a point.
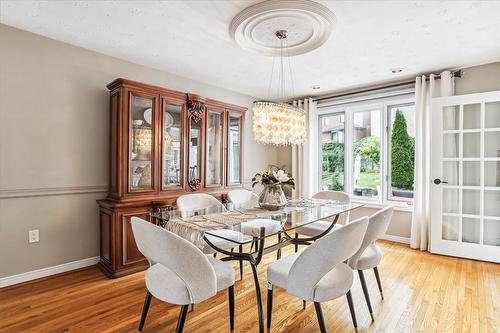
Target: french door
(465, 171)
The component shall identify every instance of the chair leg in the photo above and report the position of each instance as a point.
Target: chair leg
(304, 305)
(231, 307)
(278, 255)
(365, 292)
(296, 245)
(145, 309)
(269, 305)
(241, 263)
(321, 320)
(182, 318)
(351, 308)
(377, 276)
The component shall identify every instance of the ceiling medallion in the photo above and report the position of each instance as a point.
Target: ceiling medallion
(308, 23)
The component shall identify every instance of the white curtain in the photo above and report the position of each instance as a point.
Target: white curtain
(305, 158)
(424, 92)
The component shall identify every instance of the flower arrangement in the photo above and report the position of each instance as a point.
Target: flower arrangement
(273, 178)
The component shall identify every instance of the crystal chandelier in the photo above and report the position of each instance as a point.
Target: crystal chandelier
(279, 123)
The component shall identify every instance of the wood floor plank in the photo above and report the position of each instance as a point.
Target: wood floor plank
(423, 293)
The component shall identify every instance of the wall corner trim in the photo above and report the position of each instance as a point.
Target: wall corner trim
(43, 272)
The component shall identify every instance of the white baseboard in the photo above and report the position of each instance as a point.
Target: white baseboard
(43, 272)
(397, 239)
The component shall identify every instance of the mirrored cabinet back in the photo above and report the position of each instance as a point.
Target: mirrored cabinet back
(164, 143)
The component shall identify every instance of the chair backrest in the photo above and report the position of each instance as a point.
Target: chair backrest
(322, 256)
(338, 196)
(189, 202)
(379, 222)
(178, 255)
(333, 195)
(241, 198)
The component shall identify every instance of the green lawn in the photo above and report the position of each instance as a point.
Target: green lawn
(365, 180)
(368, 179)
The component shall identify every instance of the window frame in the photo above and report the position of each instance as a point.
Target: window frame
(388, 131)
(320, 143)
(349, 109)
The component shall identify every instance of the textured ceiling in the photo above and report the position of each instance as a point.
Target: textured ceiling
(191, 39)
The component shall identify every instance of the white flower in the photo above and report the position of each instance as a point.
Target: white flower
(281, 176)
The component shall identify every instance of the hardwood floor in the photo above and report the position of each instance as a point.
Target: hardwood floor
(423, 293)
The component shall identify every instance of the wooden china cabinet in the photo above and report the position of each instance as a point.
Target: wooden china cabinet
(164, 143)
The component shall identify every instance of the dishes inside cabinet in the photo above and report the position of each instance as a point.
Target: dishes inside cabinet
(148, 113)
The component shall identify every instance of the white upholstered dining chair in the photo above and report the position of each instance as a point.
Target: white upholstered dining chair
(319, 273)
(242, 198)
(179, 272)
(189, 203)
(316, 228)
(369, 255)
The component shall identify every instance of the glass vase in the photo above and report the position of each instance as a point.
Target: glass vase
(272, 197)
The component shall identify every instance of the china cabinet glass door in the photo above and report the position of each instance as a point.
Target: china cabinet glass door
(194, 151)
(213, 150)
(234, 149)
(141, 142)
(172, 154)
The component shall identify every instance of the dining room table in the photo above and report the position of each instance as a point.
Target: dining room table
(200, 226)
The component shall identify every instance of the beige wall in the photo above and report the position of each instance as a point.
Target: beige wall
(54, 137)
(478, 79)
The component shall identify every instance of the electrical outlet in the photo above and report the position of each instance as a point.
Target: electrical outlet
(33, 236)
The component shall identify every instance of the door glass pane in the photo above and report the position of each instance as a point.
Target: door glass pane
(450, 145)
(451, 117)
(141, 143)
(366, 132)
(194, 150)
(450, 172)
(214, 148)
(450, 200)
(492, 144)
(492, 173)
(332, 129)
(234, 146)
(470, 202)
(492, 115)
(472, 144)
(450, 228)
(402, 152)
(471, 173)
(470, 230)
(172, 145)
(492, 203)
(472, 116)
(491, 232)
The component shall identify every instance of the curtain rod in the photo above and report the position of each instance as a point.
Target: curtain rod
(457, 73)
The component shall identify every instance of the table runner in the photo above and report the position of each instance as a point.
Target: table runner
(193, 228)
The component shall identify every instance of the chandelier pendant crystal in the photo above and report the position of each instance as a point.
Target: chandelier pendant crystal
(275, 122)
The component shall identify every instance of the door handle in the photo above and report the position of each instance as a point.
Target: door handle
(438, 181)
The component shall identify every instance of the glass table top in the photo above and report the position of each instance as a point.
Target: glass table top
(297, 213)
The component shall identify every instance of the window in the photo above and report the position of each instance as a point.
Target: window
(332, 129)
(366, 154)
(401, 152)
(368, 149)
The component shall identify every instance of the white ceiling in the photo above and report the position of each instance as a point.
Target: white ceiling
(191, 39)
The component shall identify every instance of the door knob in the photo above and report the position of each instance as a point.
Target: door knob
(438, 181)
